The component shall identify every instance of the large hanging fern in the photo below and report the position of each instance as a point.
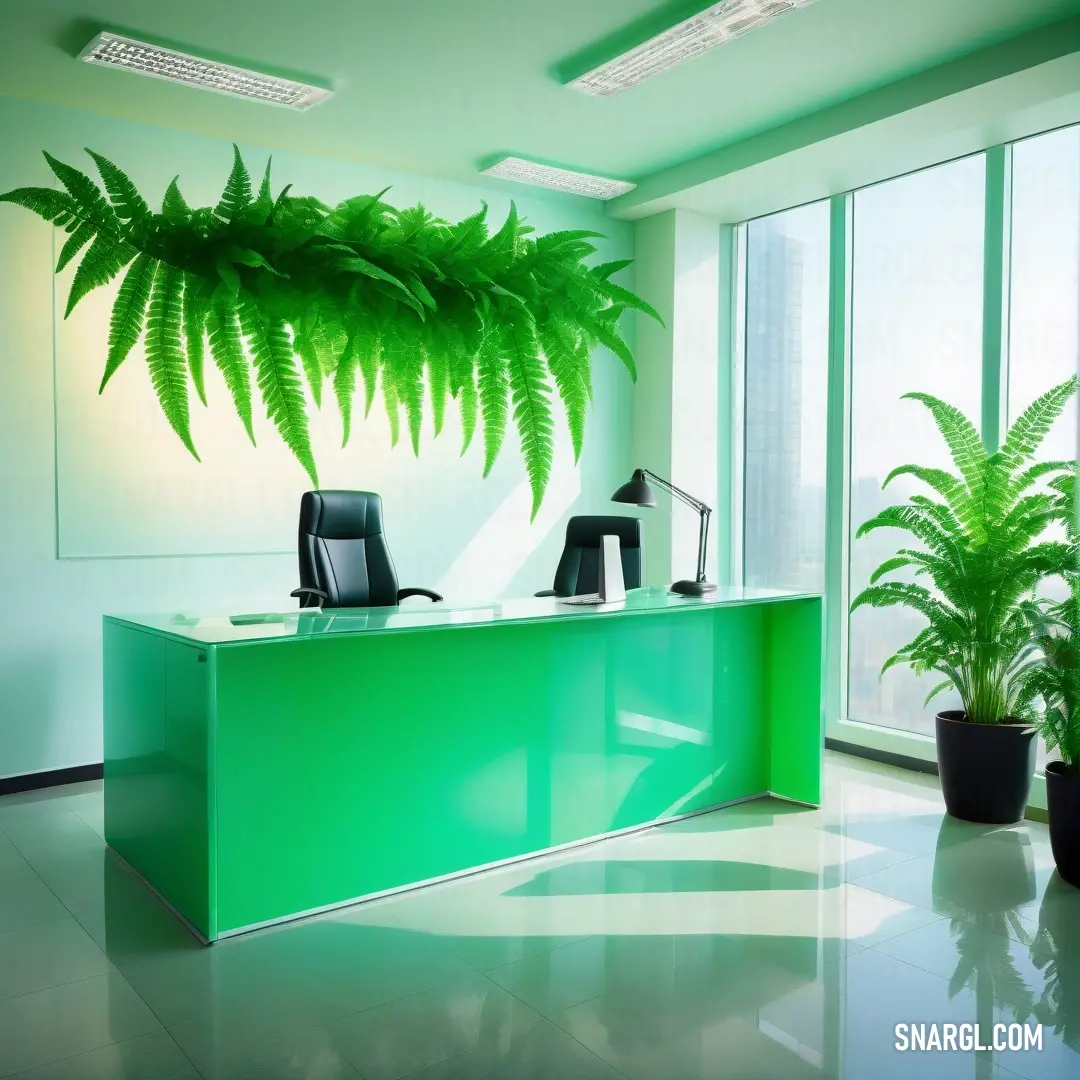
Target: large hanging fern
(361, 294)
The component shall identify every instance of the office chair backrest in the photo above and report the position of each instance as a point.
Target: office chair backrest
(578, 571)
(343, 549)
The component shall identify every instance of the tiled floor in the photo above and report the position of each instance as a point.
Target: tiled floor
(761, 942)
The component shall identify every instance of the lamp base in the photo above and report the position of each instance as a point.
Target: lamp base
(693, 588)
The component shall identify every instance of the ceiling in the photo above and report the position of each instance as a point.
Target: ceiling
(438, 86)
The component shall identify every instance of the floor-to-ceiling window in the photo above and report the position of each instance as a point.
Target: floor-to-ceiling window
(785, 367)
(922, 255)
(917, 280)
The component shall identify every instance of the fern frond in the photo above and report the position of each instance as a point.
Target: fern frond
(345, 386)
(624, 298)
(412, 221)
(354, 264)
(407, 364)
(945, 484)
(940, 688)
(164, 350)
(417, 288)
(196, 310)
(390, 401)
(308, 352)
(278, 380)
(468, 236)
(467, 400)
(173, 207)
(960, 435)
(530, 393)
(56, 207)
(82, 235)
(438, 373)
(606, 270)
(894, 593)
(104, 259)
(899, 562)
(129, 313)
(369, 350)
(1036, 472)
(570, 370)
(610, 338)
(127, 202)
(1033, 424)
(500, 250)
(494, 393)
(227, 348)
(87, 195)
(567, 245)
(263, 206)
(236, 197)
(355, 218)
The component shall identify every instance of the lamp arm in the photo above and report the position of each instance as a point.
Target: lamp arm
(679, 494)
(694, 504)
(703, 536)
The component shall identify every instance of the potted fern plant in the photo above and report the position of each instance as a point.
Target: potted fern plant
(1056, 681)
(981, 551)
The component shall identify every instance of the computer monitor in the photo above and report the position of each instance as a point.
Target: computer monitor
(611, 585)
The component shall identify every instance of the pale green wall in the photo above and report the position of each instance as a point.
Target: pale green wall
(477, 537)
(655, 245)
(675, 399)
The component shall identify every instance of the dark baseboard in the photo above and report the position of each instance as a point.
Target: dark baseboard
(1032, 813)
(76, 774)
(885, 757)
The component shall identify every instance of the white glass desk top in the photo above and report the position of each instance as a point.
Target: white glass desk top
(267, 626)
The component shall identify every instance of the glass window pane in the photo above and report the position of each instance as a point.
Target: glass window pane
(1045, 288)
(786, 368)
(917, 326)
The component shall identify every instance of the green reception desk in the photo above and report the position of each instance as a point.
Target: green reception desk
(258, 768)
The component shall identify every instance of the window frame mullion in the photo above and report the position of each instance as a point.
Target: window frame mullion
(838, 463)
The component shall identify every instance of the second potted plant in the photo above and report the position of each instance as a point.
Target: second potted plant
(1056, 681)
(982, 551)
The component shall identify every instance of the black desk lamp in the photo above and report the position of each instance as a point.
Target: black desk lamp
(638, 493)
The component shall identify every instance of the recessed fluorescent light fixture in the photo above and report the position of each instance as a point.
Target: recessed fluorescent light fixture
(716, 25)
(532, 172)
(117, 51)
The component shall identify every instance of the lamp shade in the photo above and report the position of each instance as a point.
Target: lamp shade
(635, 491)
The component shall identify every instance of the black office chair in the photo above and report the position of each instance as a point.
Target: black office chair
(344, 560)
(578, 571)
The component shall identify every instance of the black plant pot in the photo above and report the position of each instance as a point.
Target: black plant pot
(985, 769)
(1063, 806)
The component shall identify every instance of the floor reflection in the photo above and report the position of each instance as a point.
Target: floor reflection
(760, 942)
(982, 874)
(1055, 951)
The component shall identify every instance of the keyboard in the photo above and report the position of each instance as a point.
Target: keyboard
(588, 598)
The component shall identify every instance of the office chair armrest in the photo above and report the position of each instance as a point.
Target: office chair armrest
(310, 592)
(546, 592)
(402, 593)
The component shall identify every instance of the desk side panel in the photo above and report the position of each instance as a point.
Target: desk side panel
(795, 707)
(351, 766)
(156, 717)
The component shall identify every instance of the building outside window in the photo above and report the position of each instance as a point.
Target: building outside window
(786, 365)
